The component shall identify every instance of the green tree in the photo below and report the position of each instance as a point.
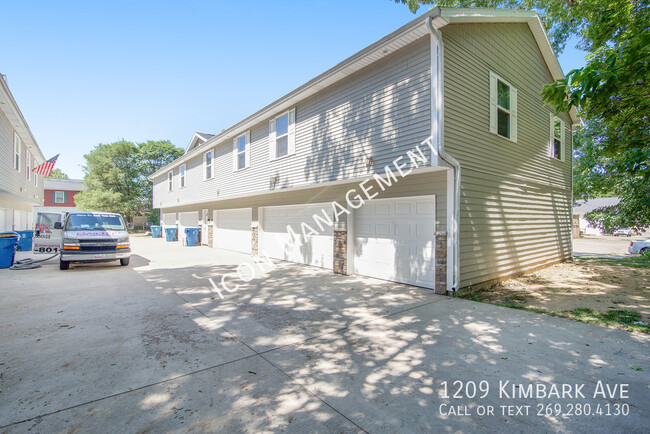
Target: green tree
(151, 156)
(116, 175)
(597, 174)
(57, 174)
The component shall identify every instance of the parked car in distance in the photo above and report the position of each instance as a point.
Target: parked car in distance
(623, 232)
(93, 237)
(639, 246)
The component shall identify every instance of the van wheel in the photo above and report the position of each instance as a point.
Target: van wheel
(124, 262)
(64, 265)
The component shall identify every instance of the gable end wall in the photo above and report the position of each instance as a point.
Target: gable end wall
(515, 199)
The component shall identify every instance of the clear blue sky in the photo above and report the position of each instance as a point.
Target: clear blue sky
(92, 72)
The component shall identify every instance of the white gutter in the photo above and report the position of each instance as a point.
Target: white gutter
(437, 134)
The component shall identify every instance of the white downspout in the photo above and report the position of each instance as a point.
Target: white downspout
(437, 132)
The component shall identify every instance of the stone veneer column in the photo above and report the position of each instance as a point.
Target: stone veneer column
(210, 234)
(254, 243)
(441, 262)
(340, 251)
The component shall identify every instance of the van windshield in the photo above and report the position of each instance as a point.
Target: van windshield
(108, 222)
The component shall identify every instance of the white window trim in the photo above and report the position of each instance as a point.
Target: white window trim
(562, 138)
(182, 176)
(56, 197)
(205, 165)
(28, 165)
(246, 151)
(291, 133)
(494, 79)
(34, 174)
(170, 180)
(17, 153)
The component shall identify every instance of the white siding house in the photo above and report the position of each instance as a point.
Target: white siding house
(433, 142)
(20, 189)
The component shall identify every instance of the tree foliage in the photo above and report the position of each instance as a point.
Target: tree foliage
(597, 174)
(57, 174)
(116, 175)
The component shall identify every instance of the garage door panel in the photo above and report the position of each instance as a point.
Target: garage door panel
(394, 240)
(233, 229)
(276, 243)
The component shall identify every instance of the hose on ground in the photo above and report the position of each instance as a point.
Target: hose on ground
(29, 263)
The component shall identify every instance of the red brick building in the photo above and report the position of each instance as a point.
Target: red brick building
(61, 192)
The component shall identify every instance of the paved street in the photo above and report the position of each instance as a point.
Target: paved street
(607, 245)
(153, 347)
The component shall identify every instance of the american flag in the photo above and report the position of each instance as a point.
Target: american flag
(46, 168)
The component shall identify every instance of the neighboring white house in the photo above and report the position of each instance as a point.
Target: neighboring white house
(20, 188)
(582, 207)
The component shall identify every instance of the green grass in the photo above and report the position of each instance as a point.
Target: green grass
(617, 318)
(633, 261)
(614, 318)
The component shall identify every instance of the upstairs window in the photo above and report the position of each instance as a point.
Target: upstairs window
(557, 138)
(182, 175)
(503, 108)
(59, 197)
(170, 180)
(282, 140)
(28, 163)
(17, 150)
(241, 151)
(208, 165)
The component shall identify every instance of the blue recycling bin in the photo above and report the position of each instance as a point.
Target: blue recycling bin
(25, 240)
(170, 234)
(8, 243)
(155, 231)
(192, 236)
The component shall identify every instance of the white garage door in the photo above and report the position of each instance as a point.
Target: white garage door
(169, 219)
(318, 250)
(233, 229)
(394, 240)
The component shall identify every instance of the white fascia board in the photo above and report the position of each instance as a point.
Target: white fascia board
(384, 47)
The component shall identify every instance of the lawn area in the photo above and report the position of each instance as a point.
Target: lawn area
(605, 291)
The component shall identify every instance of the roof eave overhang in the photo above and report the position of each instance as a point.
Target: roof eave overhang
(401, 37)
(474, 15)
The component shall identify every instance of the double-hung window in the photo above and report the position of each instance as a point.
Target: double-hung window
(28, 164)
(170, 180)
(503, 108)
(557, 138)
(17, 150)
(182, 175)
(59, 197)
(208, 165)
(282, 135)
(241, 151)
(34, 175)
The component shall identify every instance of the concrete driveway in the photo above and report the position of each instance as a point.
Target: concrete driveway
(153, 347)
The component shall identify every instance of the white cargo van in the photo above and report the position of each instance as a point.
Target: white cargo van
(94, 237)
